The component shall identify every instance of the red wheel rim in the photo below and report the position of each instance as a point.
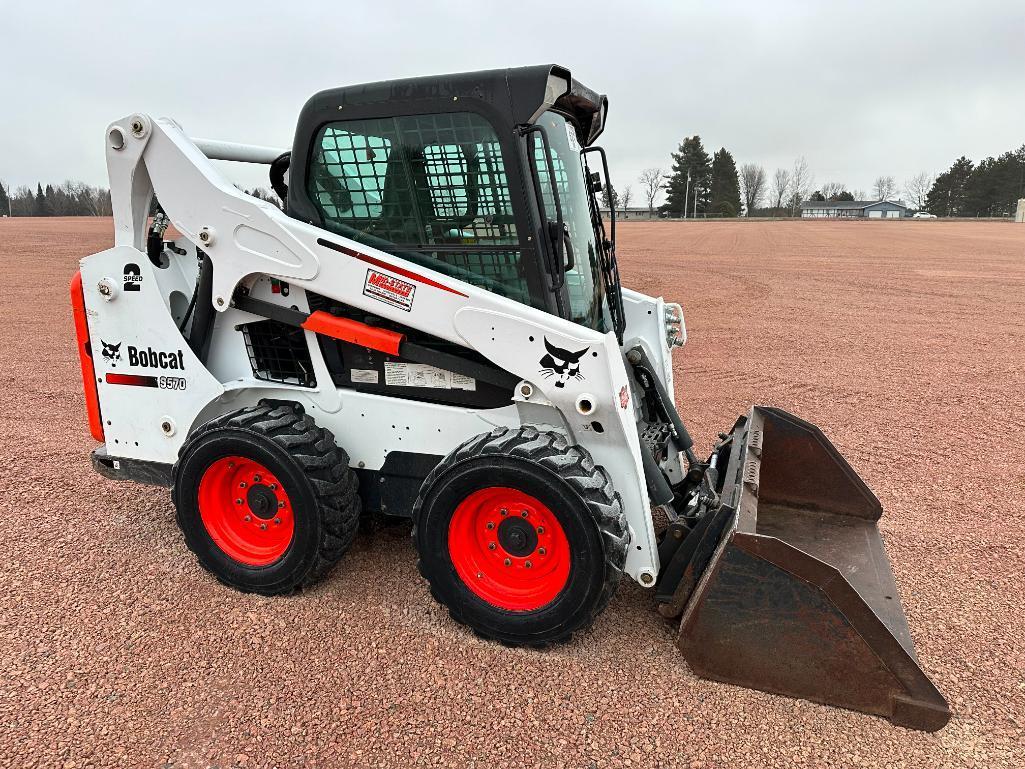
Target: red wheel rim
(509, 549)
(246, 511)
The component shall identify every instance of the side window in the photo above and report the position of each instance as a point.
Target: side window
(429, 188)
(350, 169)
(559, 167)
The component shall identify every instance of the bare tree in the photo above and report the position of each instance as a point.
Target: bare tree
(624, 197)
(801, 181)
(752, 182)
(884, 187)
(917, 189)
(651, 180)
(859, 194)
(831, 189)
(780, 187)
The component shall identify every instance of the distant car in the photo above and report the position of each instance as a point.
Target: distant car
(923, 215)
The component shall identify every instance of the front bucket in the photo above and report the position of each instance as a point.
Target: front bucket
(795, 594)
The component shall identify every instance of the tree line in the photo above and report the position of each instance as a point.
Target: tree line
(991, 188)
(76, 199)
(701, 185)
(67, 199)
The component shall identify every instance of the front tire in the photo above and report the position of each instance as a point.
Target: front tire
(265, 499)
(521, 535)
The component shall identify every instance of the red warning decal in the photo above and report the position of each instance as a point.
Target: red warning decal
(389, 289)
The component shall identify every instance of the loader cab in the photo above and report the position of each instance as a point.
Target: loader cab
(482, 176)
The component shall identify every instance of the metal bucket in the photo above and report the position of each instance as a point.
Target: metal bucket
(787, 588)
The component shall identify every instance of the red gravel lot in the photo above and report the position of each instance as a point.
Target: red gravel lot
(904, 341)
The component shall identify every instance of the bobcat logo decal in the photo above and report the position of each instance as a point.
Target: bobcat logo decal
(561, 364)
(111, 352)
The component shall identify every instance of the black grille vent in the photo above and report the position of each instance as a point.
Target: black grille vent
(279, 353)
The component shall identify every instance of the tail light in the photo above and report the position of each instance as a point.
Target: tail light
(676, 329)
(85, 358)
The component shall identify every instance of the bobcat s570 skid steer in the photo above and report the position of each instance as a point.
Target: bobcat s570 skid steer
(435, 328)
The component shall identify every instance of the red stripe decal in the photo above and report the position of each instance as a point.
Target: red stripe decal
(390, 267)
(138, 380)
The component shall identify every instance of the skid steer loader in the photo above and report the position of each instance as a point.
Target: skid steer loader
(434, 327)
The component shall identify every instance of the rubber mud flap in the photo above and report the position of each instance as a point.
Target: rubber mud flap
(799, 597)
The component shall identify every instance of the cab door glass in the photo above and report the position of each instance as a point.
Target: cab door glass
(583, 281)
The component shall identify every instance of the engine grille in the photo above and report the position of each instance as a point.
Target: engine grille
(279, 353)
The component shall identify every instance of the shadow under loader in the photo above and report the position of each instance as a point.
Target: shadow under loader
(786, 587)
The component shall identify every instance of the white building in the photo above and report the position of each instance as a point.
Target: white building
(853, 209)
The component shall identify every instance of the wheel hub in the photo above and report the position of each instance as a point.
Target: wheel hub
(517, 537)
(262, 501)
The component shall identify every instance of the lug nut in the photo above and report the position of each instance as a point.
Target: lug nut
(542, 551)
(504, 511)
(238, 501)
(491, 524)
(507, 562)
(281, 504)
(274, 487)
(277, 521)
(242, 485)
(491, 545)
(540, 529)
(263, 527)
(256, 479)
(248, 518)
(524, 513)
(528, 564)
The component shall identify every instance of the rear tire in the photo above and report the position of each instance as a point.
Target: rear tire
(265, 498)
(521, 535)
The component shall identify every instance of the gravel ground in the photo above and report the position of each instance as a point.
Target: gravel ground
(905, 342)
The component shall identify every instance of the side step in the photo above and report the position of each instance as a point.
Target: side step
(787, 587)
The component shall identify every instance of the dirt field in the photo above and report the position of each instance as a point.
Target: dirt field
(904, 341)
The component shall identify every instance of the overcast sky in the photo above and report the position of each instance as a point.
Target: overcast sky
(859, 88)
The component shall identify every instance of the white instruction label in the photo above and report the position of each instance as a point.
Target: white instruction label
(571, 134)
(364, 376)
(422, 375)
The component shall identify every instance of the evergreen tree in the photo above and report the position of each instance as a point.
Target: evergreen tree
(54, 206)
(948, 194)
(5, 201)
(995, 185)
(693, 158)
(42, 206)
(842, 195)
(724, 190)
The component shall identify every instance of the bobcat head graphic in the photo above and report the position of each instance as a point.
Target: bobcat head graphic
(111, 352)
(561, 364)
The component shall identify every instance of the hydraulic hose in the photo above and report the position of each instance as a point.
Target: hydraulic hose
(203, 323)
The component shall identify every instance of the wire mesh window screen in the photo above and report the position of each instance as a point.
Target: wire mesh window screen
(434, 185)
(279, 353)
(559, 167)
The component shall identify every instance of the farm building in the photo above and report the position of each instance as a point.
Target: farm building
(863, 209)
(632, 213)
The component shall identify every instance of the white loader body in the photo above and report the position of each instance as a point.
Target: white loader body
(153, 390)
